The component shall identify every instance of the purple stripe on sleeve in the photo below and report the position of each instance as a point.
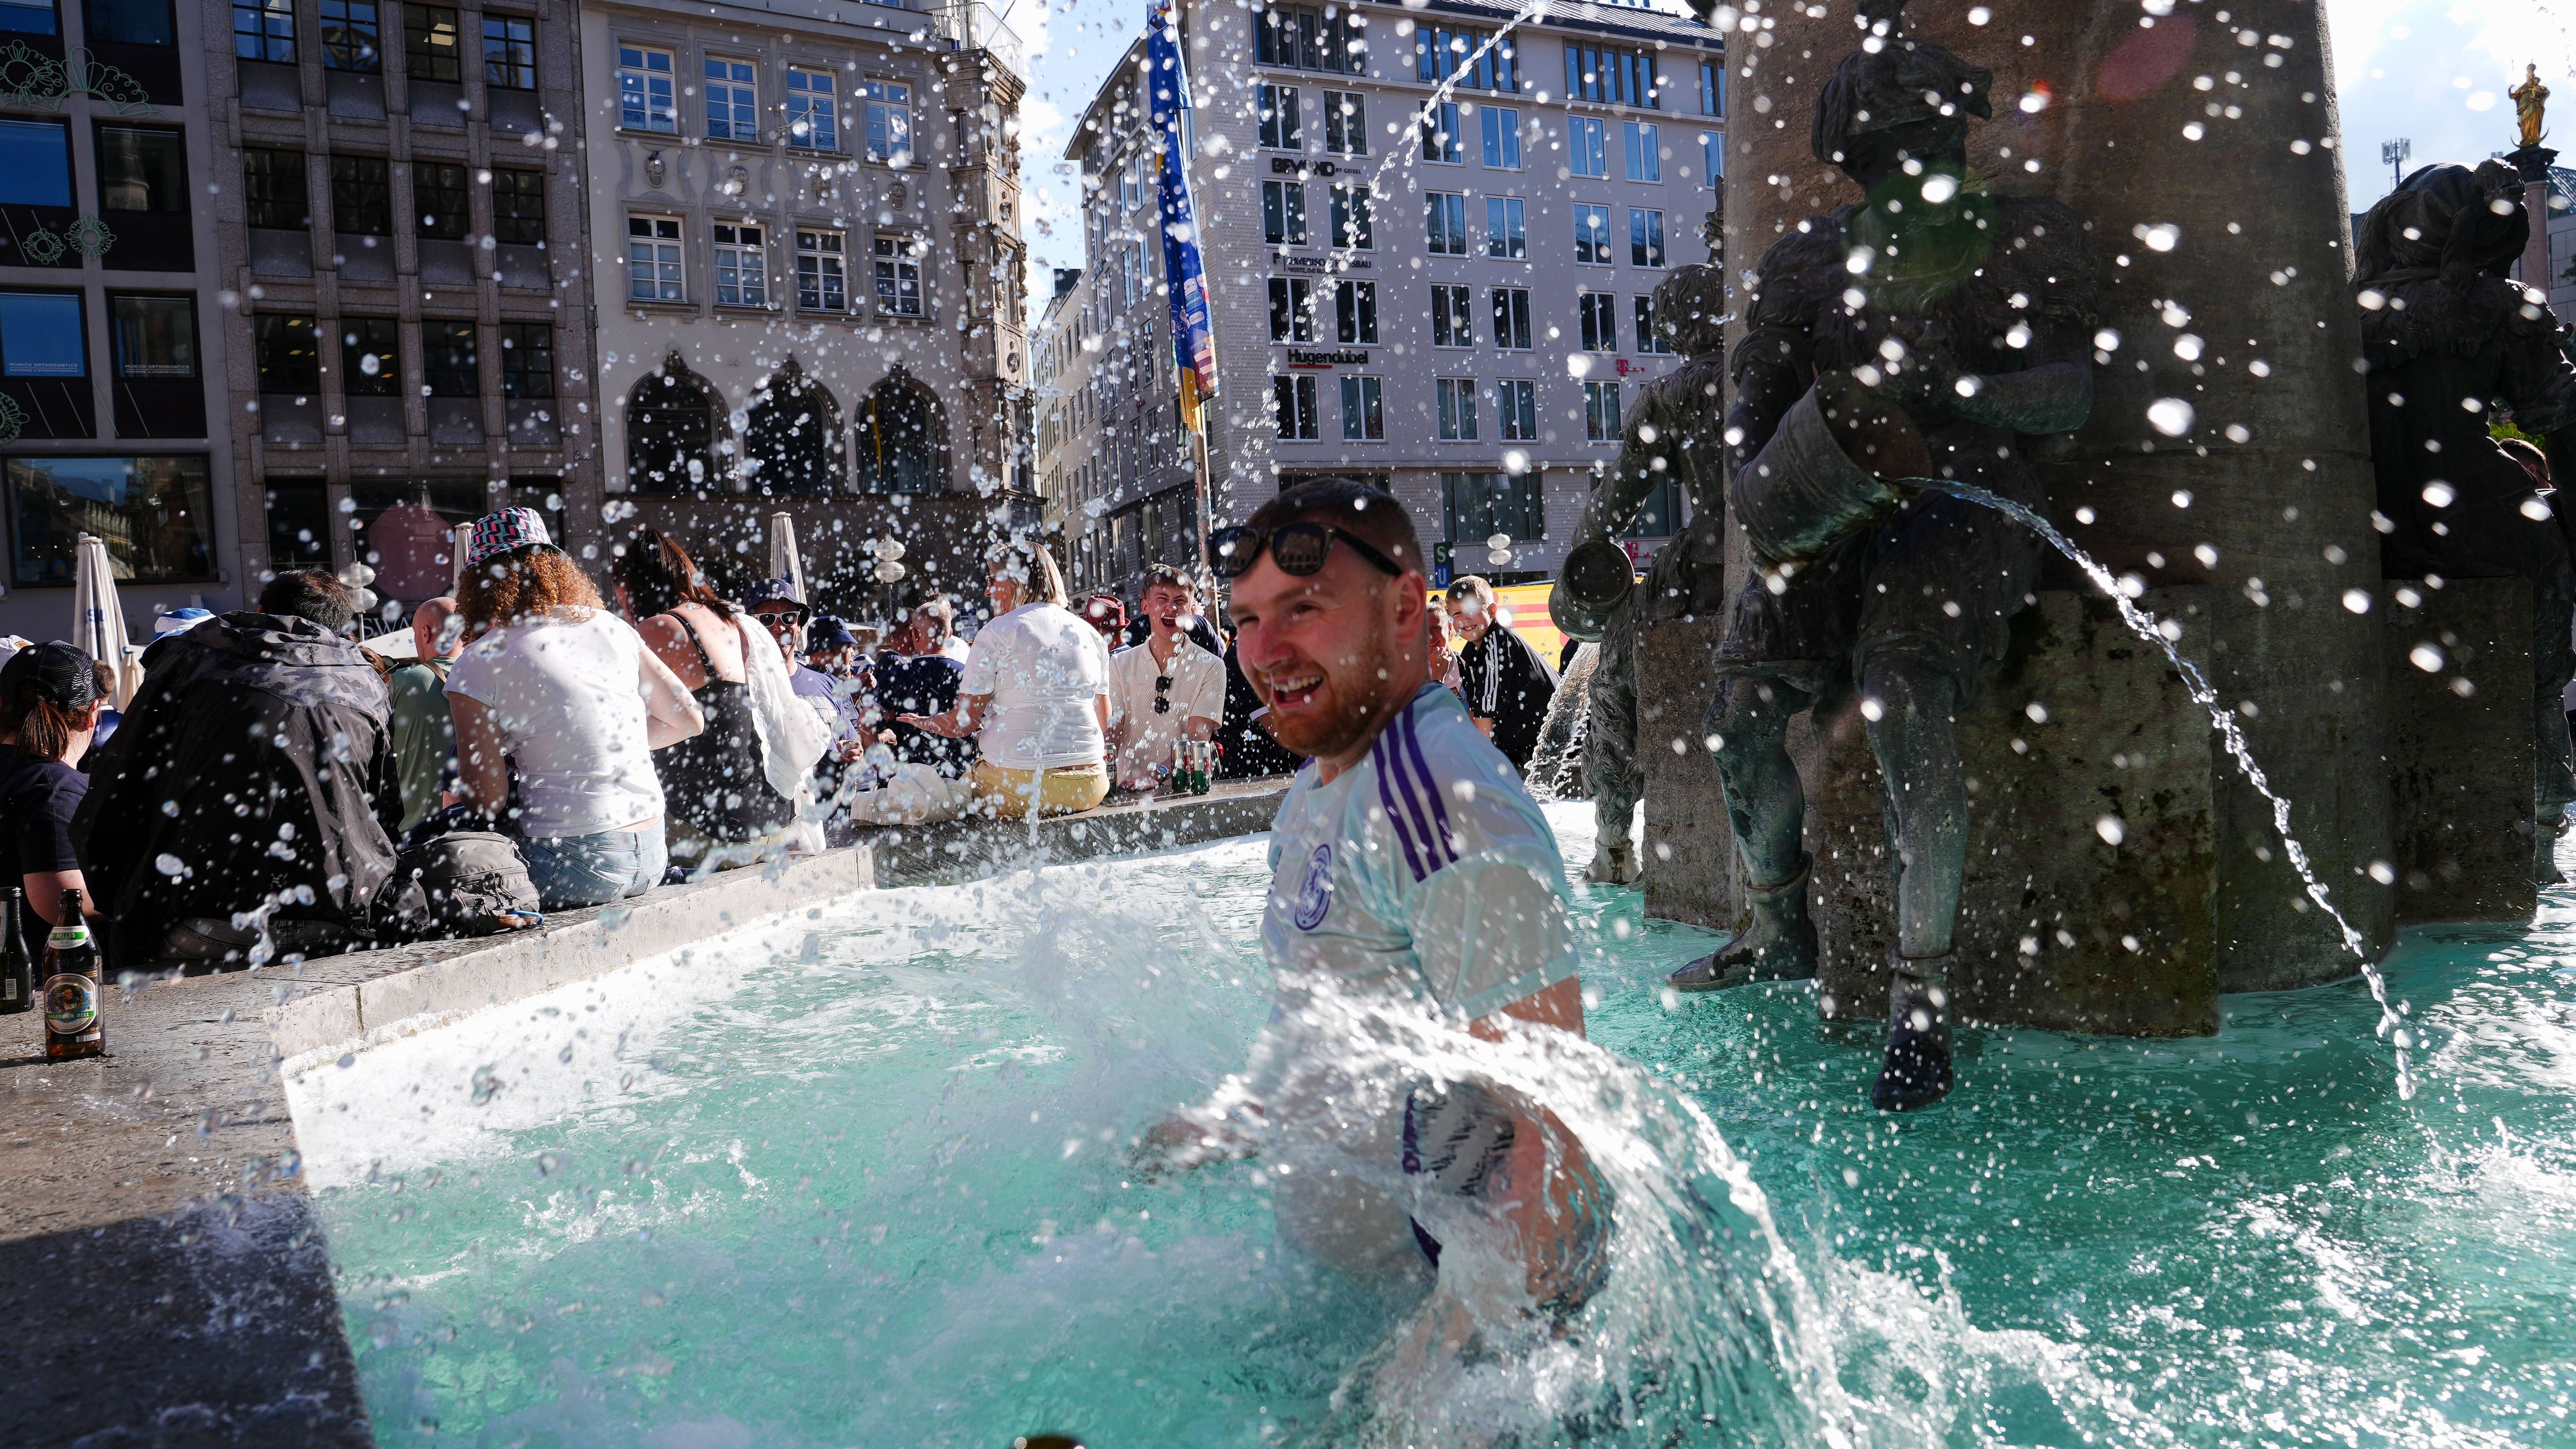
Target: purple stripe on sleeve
(1383, 758)
(1446, 838)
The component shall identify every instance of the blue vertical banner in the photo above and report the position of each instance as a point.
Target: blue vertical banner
(1193, 341)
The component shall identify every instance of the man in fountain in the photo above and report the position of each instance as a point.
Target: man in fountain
(1918, 334)
(1409, 865)
(2447, 334)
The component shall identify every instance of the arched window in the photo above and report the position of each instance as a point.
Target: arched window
(902, 441)
(792, 441)
(676, 437)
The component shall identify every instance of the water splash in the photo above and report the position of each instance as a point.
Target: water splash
(1555, 768)
(2146, 626)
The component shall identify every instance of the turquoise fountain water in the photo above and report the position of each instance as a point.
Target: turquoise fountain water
(861, 1180)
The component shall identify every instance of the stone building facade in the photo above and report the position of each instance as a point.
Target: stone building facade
(396, 200)
(805, 241)
(112, 402)
(1449, 292)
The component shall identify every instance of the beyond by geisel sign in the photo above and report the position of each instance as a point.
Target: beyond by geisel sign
(1343, 357)
(1290, 166)
(1292, 262)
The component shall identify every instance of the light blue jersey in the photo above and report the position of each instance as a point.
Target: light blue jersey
(1425, 870)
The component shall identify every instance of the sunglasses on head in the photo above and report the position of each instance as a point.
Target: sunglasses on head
(1298, 548)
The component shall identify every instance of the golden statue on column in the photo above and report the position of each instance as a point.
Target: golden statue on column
(2528, 98)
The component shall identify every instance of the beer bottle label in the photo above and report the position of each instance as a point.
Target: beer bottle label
(71, 1004)
(8, 988)
(74, 932)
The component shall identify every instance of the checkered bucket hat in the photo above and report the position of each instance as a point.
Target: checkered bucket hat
(502, 531)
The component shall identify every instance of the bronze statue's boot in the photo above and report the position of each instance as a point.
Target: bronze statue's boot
(1916, 1071)
(1614, 863)
(2544, 852)
(1780, 945)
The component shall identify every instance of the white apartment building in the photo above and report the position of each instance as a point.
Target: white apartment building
(805, 241)
(1450, 293)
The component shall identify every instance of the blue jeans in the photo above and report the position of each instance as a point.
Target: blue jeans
(592, 870)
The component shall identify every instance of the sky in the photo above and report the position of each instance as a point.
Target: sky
(2433, 71)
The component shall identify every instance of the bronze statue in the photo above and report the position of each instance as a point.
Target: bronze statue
(2447, 335)
(1673, 434)
(1922, 332)
(2528, 99)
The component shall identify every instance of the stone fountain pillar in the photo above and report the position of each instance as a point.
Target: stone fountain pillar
(2202, 144)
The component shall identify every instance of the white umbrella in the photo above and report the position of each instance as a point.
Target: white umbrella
(98, 621)
(458, 540)
(783, 562)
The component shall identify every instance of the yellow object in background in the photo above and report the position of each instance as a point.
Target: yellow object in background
(1524, 608)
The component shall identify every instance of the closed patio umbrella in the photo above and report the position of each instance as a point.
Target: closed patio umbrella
(783, 562)
(98, 620)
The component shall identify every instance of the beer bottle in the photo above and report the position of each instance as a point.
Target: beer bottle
(74, 988)
(17, 969)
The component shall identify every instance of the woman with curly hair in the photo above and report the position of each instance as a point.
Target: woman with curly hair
(559, 706)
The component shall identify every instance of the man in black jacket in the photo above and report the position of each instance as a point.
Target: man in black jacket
(252, 783)
(1507, 686)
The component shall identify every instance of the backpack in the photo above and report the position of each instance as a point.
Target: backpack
(453, 878)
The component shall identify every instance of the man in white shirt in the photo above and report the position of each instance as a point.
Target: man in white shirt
(1162, 691)
(1409, 864)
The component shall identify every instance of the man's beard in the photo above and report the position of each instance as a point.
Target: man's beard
(1346, 708)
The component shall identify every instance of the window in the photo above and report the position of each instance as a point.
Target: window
(1592, 235)
(1612, 77)
(898, 275)
(1645, 238)
(889, 121)
(1502, 133)
(1512, 318)
(263, 30)
(1292, 405)
(349, 35)
(742, 272)
(142, 169)
(813, 114)
(518, 207)
(1440, 139)
(148, 22)
(653, 259)
(1601, 412)
(1363, 410)
(448, 359)
(36, 163)
(821, 285)
(1446, 222)
(1473, 56)
(1292, 309)
(273, 189)
(647, 89)
(154, 336)
(1712, 159)
(1516, 409)
(1355, 312)
(1351, 225)
(282, 348)
(41, 335)
(1505, 236)
(510, 52)
(362, 195)
(439, 201)
(1346, 123)
(1331, 41)
(733, 102)
(1712, 88)
(1587, 146)
(1600, 312)
(29, 17)
(1283, 213)
(1457, 397)
(1452, 322)
(154, 513)
(429, 43)
(527, 359)
(1650, 338)
(1639, 144)
(370, 357)
(1480, 505)
(1278, 112)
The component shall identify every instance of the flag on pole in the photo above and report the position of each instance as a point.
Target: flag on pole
(1193, 343)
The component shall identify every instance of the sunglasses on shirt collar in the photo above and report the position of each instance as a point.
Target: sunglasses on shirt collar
(1298, 548)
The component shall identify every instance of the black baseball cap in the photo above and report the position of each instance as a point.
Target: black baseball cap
(55, 673)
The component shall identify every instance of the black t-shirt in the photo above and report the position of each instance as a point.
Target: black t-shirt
(37, 798)
(922, 684)
(1505, 681)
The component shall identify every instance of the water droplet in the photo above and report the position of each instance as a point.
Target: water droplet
(2110, 828)
(2170, 416)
